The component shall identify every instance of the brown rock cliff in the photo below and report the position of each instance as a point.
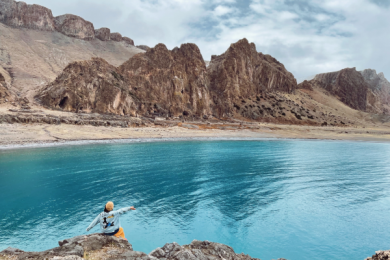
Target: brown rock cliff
(348, 85)
(169, 83)
(116, 37)
(103, 34)
(241, 72)
(74, 26)
(89, 86)
(20, 14)
(379, 96)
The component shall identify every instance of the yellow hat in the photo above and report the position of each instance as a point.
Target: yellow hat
(110, 206)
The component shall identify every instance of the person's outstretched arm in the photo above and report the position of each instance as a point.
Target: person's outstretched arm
(122, 211)
(94, 223)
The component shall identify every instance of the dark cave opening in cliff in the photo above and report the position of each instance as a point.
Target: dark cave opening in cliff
(63, 102)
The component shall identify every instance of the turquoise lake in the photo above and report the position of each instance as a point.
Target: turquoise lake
(293, 199)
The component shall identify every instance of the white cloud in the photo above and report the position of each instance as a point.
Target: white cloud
(221, 10)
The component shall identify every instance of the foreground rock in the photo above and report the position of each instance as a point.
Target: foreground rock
(198, 250)
(380, 255)
(97, 246)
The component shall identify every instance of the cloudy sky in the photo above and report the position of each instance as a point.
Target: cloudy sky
(307, 36)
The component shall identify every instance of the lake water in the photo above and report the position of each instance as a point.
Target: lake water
(270, 199)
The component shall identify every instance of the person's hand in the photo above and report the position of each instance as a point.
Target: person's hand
(132, 208)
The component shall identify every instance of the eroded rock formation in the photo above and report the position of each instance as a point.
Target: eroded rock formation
(74, 26)
(98, 246)
(90, 86)
(116, 37)
(169, 83)
(347, 84)
(364, 90)
(103, 34)
(177, 83)
(379, 99)
(242, 73)
(20, 14)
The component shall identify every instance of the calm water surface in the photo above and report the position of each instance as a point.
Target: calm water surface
(269, 199)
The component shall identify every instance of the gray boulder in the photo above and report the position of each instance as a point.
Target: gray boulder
(198, 250)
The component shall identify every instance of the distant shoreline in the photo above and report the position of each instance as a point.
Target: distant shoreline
(19, 136)
(126, 141)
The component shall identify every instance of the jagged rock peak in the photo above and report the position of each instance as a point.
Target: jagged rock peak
(380, 255)
(20, 14)
(169, 83)
(241, 72)
(348, 84)
(376, 81)
(89, 86)
(74, 26)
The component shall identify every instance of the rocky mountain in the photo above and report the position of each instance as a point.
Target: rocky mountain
(90, 86)
(35, 47)
(347, 84)
(22, 15)
(177, 83)
(380, 88)
(243, 73)
(364, 91)
(98, 246)
(169, 83)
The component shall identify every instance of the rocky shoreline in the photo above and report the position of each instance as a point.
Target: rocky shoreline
(97, 246)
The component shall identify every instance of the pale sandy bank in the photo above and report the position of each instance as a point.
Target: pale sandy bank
(16, 135)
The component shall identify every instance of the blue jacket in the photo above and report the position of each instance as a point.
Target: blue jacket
(109, 221)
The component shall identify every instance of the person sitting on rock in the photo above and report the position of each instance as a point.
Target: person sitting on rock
(110, 224)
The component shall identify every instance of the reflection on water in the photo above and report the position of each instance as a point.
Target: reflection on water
(269, 199)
